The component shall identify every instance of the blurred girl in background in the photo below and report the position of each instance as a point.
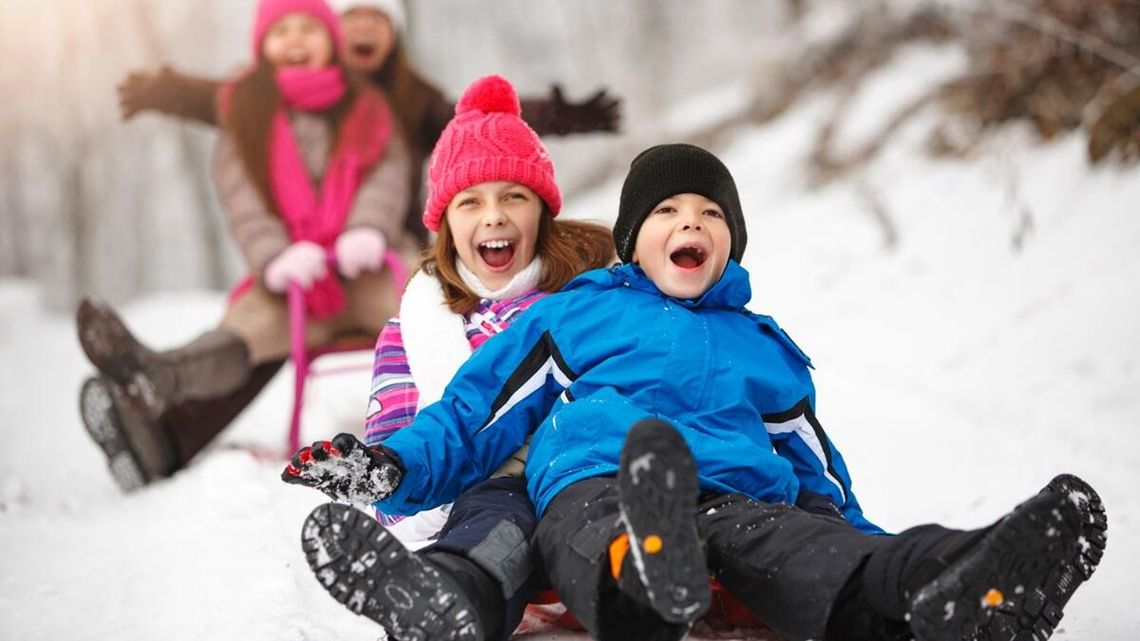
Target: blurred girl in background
(373, 48)
(310, 166)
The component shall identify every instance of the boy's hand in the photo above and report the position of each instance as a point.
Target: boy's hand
(346, 470)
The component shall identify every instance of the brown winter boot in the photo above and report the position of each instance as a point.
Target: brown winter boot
(194, 423)
(212, 365)
(141, 450)
(138, 450)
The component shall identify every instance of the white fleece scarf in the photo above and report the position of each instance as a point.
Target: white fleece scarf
(435, 340)
(520, 283)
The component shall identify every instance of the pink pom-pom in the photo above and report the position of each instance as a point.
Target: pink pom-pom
(490, 94)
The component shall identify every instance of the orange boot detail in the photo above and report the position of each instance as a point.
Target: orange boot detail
(619, 547)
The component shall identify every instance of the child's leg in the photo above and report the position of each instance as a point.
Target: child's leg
(194, 423)
(1008, 581)
(365, 568)
(151, 412)
(212, 365)
(785, 565)
(261, 319)
(576, 538)
(491, 527)
(473, 583)
(624, 554)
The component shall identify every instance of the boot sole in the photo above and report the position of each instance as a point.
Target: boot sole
(1001, 591)
(658, 491)
(366, 569)
(1094, 526)
(103, 423)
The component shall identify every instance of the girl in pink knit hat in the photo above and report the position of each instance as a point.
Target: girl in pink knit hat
(493, 202)
(309, 165)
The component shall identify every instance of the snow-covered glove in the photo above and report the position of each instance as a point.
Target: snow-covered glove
(360, 249)
(303, 262)
(346, 469)
(817, 503)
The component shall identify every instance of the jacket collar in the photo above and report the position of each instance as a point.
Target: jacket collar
(732, 291)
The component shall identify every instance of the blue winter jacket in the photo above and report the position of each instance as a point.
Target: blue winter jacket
(583, 365)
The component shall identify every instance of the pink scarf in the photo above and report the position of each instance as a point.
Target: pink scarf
(310, 215)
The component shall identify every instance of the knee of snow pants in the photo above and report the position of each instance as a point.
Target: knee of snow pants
(785, 565)
(493, 524)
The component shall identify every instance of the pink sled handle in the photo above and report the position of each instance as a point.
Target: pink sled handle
(295, 299)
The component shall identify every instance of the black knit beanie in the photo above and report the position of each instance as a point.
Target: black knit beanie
(667, 170)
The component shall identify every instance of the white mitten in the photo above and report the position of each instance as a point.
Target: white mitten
(303, 263)
(359, 250)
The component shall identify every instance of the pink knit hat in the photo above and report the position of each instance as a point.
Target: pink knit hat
(270, 11)
(487, 141)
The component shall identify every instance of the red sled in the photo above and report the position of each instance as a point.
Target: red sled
(726, 615)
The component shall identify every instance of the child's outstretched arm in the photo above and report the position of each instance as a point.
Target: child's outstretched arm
(556, 115)
(499, 396)
(169, 92)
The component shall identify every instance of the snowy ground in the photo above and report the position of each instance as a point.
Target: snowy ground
(958, 370)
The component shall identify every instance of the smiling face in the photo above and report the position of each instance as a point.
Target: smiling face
(494, 227)
(683, 246)
(368, 38)
(297, 40)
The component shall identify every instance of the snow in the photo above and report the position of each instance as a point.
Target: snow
(989, 346)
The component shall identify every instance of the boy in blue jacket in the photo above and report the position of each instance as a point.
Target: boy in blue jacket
(672, 432)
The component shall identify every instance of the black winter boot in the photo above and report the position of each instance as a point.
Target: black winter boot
(371, 573)
(212, 365)
(1094, 524)
(657, 485)
(999, 590)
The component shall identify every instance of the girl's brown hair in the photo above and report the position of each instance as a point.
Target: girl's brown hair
(249, 115)
(567, 248)
(408, 91)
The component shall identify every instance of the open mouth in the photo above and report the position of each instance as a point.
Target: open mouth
(497, 253)
(363, 49)
(297, 58)
(688, 257)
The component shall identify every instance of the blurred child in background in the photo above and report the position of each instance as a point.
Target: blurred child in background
(309, 165)
(373, 47)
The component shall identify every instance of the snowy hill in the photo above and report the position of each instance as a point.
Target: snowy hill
(973, 324)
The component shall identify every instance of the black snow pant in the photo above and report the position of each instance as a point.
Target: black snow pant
(789, 567)
(491, 525)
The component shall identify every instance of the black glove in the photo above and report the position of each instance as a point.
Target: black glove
(346, 469)
(816, 503)
(599, 113)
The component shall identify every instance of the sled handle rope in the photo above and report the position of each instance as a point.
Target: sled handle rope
(302, 357)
